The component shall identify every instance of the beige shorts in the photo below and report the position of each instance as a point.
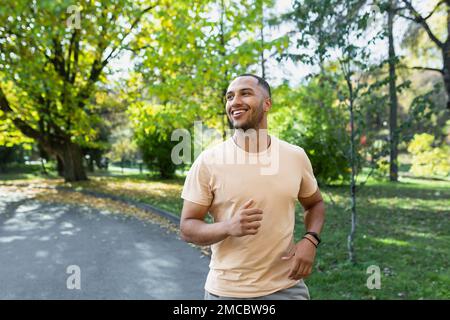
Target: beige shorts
(298, 292)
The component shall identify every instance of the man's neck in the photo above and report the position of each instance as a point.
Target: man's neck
(252, 141)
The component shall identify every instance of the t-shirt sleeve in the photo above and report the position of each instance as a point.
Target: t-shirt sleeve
(197, 184)
(308, 184)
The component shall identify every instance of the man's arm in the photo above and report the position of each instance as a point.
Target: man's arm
(305, 250)
(194, 229)
(314, 215)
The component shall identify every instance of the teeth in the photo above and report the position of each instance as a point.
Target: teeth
(238, 112)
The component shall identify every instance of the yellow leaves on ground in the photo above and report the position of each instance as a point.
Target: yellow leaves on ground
(134, 189)
(44, 190)
(117, 207)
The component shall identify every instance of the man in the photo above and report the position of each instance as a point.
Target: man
(254, 255)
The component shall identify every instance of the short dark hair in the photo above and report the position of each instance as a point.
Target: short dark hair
(261, 81)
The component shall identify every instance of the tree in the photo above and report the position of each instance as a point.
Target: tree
(426, 159)
(123, 151)
(392, 58)
(410, 13)
(311, 117)
(153, 126)
(12, 154)
(195, 49)
(333, 26)
(239, 50)
(52, 58)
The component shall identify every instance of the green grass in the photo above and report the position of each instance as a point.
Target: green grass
(403, 228)
(24, 172)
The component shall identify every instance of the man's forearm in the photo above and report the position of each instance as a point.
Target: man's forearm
(201, 233)
(315, 217)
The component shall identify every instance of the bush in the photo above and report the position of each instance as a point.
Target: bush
(156, 153)
(311, 118)
(153, 126)
(11, 155)
(426, 159)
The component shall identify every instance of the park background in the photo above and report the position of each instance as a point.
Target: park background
(91, 92)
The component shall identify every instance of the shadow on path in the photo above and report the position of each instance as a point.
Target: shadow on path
(119, 257)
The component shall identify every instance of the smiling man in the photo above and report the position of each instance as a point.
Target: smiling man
(254, 255)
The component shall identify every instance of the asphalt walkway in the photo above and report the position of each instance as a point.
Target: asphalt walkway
(43, 246)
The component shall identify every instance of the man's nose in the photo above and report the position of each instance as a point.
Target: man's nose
(236, 101)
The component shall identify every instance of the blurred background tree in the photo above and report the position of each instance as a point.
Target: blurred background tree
(53, 57)
(63, 100)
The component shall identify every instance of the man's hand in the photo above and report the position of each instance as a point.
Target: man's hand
(245, 221)
(302, 256)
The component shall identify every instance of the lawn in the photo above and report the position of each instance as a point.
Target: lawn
(403, 228)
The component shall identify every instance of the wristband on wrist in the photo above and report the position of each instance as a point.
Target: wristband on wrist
(305, 237)
(315, 235)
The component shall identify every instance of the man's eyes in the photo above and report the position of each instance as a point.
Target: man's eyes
(230, 97)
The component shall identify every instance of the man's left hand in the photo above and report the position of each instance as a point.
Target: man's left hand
(302, 256)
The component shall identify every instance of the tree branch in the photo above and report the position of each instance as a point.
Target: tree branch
(427, 69)
(435, 8)
(421, 20)
(72, 48)
(76, 52)
(58, 60)
(98, 64)
(133, 25)
(19, 123)
(136, 50)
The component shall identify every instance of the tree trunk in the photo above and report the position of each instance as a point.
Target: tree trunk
(261, 31)
(446, 58)
(225, 120)
(44, 157)
(60, 166)
(71, 159)
(90, 164)
(446, 72)
(44, 170)
(351, 236)
(393, 134)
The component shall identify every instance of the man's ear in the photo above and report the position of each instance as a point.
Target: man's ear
(267, 104)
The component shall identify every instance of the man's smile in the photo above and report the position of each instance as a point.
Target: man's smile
(238, 113)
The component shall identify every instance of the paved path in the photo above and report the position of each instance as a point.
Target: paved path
(118, 257)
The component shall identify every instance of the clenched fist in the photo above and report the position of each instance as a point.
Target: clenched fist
(246, 221)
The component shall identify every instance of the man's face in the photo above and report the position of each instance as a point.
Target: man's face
(245, 103)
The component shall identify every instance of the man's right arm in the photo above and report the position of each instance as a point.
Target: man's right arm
(194, 229)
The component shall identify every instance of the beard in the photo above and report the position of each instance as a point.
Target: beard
(253, 119)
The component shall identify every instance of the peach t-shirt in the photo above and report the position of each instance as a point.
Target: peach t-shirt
(224, 177)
